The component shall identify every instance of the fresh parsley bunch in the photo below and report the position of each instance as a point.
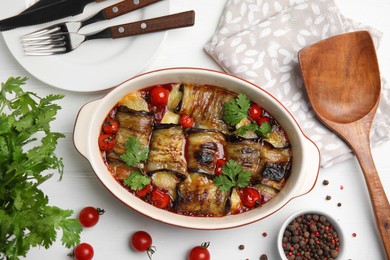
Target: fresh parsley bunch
(26, 219)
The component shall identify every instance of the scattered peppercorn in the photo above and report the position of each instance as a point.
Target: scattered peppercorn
(241, 247)
(263, 257)
(265, 234)
(328, 197)
(310, 236)
(354, 234)
(339, 204)
(325, 182)
(341, 187)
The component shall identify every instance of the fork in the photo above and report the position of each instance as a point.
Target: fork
(59, 43)
(107, 13)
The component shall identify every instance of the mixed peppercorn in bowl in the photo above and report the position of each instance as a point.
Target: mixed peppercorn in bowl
(196, 148)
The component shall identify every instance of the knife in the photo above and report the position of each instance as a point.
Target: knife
(45, 11)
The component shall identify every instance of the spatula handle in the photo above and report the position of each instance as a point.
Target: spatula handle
(380, 203)
(162, 23)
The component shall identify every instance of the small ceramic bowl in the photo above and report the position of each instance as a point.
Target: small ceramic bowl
(305, 164)
(330, 219)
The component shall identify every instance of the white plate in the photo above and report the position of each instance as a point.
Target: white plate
(97, 64)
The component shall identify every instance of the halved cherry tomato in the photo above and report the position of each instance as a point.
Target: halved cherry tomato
(106, 142)
(200, 252)
(141, 241)
(143, 192)
(83, 251)
(186, 121)
(250, 197)
(255, 111)
(111, 126)
(160, 199)
(218, 166)
(262, 120)
(159, 96)
(89, 216)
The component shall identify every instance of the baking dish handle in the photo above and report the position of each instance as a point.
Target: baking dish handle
(82, 127)
(311, 168)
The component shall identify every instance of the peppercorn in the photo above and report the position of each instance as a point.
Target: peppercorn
(328, 197)
(241, 247)
(325, 182)
(263, 257)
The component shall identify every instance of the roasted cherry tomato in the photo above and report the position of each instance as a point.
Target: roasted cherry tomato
(159, 96)
(141, 241)
(186, 121)
(83, 251)
(250, 197)
(143, 192)
(262, 120)
(200, 252)
(111, 126)
(106, 142)
(255, 111)
(218, 166)
(160, 199)
(89, 216)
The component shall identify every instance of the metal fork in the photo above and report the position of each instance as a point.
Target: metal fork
(60, 43)
(107, 13)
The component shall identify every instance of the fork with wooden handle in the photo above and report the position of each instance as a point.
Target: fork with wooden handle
(66, 42)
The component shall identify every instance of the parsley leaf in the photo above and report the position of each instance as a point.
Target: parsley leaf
(27, 154)
(134, 154)
(236, 109)
(233, 176)
(137, 180)
(263, 129)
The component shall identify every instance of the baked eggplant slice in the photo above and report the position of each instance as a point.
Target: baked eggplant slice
(266, 192)
(204, 148)
(120, 170)
(247, 153)
(278, 137)
(167, 151)
(131, 123)
(199, 196)
(205, 105)
(167, 181)
(276, 165)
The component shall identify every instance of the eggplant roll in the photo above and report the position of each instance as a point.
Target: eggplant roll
(204, 148)
(248, 154)
(205, 105)
(167, 151)
(131, 123)
(120, 170)
(167, 181)
(199, 196)
(275, 164)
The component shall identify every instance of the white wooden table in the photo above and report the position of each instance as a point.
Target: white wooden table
(110, 237)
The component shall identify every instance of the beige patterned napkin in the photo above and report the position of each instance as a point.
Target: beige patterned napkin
(259, 40)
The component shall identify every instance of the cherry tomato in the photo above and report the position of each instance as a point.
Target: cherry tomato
(159, 96)
(111, 126)
(83, 251)
(160, 199)
(143, 192)
(106, 142)
(141, 241)
(218, 166)
(250, 197)
(89, 216)
(255, 111)
(200, 252)
(186, 121)
(262, 120)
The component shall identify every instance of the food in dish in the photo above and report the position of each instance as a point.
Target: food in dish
(196, 150)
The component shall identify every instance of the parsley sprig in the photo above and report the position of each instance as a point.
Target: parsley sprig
(236, 109)
(27, 154)
(232, 176)
(133, 156)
